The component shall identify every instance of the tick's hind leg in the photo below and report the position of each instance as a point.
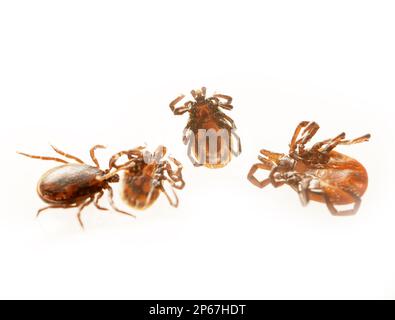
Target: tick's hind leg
(81, 208)
(331, 144)
(308, 133)
(271, 156)
(97, 205)
(362, 139)
(64, 206)
(174, 203)
(191, 144)
(176, 176)
(238, 143)
(67, 155)
(112, 204)
(351, 212)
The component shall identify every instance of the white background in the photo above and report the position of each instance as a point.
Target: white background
(79, 73)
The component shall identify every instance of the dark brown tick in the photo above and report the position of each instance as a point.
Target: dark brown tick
(317, 173)
(147, 178)
(76, 185)
(210, 132)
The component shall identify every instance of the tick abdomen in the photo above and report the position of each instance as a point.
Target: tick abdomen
(69, 183)
(342, 179)
(138, 191)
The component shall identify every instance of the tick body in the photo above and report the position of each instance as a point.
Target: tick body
(210, 134)
(150, 176)
(317, 173)
(76, 185)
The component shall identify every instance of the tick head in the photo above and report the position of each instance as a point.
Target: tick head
(199, 95)
(114, 179)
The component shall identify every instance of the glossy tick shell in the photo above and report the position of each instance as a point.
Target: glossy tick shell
(316, 173)
(210, 134)
(71, 183)
(76, 185)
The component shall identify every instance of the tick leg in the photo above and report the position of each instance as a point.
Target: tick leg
(112, 204)
(254, 169)
(82, 207)
(272, 156)
(308, 133)
(180, 110)
(228, 119)
(238, 140)
(67, 155)
(99, 196)
(132, 154)
(93, 155)
(65, 206)
(227, 102)
(340, 141)
(336, 212)
(172, 203)
(43, 158)
(296, 135)
(190, 153)
(175, 176)
(362, 139)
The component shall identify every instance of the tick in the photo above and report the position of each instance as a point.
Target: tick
(210, 133)
(76, 185)
(149, 176)
(316, 173)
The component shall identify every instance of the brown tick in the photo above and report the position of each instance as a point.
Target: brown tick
(209, 132)
(147, 178)
(76, 185)
(317, 173)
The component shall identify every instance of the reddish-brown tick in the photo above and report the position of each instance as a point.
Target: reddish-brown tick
(210, 132)
(76, 185)
(318, 173)
(147, 177)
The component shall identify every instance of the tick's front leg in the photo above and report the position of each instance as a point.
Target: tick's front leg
(180, 110)
(93, 155)
(254, 169)
(227, 99)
